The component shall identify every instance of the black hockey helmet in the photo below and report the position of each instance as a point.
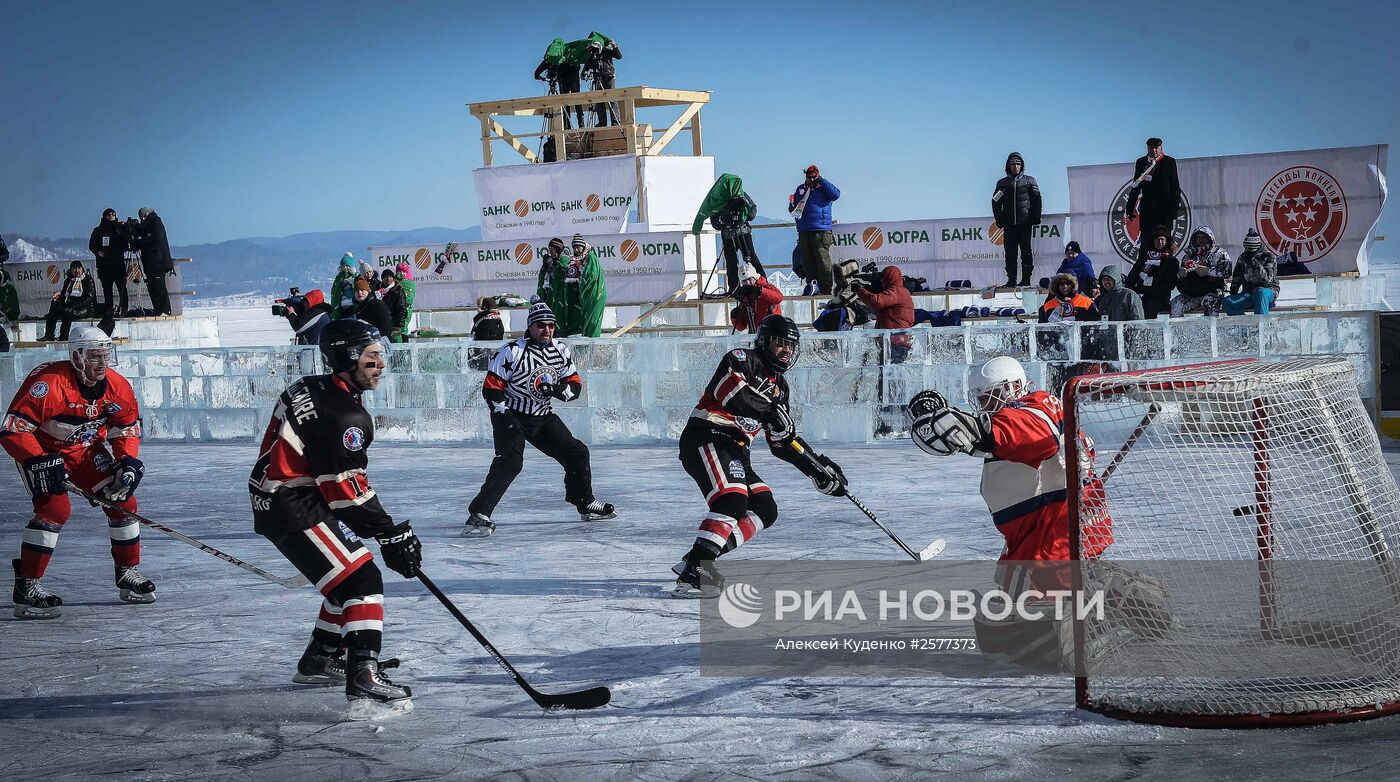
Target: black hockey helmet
(777, 327)
(342, 341)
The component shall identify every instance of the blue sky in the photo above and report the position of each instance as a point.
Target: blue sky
(260, 118)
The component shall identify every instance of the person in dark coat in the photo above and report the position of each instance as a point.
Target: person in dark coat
(156, 262)
(370, 309)
(1156, 194)
(108, 245)
(1016, 209)
(391, 293)
(4, 251)
(487, 325)
(1154, 275)
(74, 301)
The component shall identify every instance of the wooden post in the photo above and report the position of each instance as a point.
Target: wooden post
(697, 147)
(486, 140)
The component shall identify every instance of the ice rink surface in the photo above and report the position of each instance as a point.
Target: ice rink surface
(198, 685)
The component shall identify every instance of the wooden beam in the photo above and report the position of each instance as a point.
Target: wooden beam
(697, 146)
(485, 142)
(516, 143)
(676, 127)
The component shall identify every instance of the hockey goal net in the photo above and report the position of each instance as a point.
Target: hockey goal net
(1248, 562)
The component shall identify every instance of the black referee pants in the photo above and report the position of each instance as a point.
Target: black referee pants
(552, 438)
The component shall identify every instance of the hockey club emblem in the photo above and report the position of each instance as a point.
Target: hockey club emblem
(85, 433)
(353, 439)
(736, 469)
(39, 390)
(749, 425)
(1302, 209)
(540, 376)
(1126, 234)
(740, 355)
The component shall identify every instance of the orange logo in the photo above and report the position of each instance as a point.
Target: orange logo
(524, 253)
(522, 208)
(629, 250)
(872, 238)
(592, 202)
(133, 272)
(997, 235)
(53, 274)
(423, 259)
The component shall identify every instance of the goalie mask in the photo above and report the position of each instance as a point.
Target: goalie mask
(92, 353)
(995, 383)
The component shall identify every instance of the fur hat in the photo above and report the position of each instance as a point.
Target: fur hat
(1063, 277)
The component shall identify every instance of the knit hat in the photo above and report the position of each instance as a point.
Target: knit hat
(578, 239)
(1161, 230)
(364, 267)
(404, 270)
(347, 260)
(109, 211)
(145, 212)
(558, 243)
(540, 313)
(1252, 240)
(1072, 247)
(75, 265)
(812, 170)
(361, 285)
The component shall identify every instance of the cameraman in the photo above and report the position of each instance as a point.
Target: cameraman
(893, 306)
(156, 262)
(307, 315)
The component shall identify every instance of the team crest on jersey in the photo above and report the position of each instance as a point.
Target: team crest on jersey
(113, 408)
(741, 355)
(541, 375)
(85, 433)
(39, 390)
(353, 439)
(736, 468)
(747, 424)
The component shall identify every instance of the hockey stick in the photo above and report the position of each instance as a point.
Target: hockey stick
(929, 552)
(290, 583)
(583, 699)
(1128, 444)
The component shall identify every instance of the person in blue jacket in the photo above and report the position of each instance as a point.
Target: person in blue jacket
(1078, 264)
(811, 208)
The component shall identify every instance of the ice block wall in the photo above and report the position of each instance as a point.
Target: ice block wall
(847, 387)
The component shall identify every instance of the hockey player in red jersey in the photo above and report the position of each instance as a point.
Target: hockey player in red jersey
(748, 393)
(76, 421)
(312, 498)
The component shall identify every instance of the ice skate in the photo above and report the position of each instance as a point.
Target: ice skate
(478, 526)
(32, 600)
(596, 511)
(318, 666)
(372, 695)
(696, 580)
(133, 587)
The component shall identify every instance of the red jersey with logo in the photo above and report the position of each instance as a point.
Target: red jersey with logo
(53, 412)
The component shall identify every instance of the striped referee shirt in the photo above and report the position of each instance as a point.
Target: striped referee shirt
(517, 371)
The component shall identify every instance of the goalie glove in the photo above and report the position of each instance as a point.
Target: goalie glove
(942, 430)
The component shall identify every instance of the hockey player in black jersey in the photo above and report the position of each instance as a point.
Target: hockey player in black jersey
(312, 499)
(748, 393)
(522, 379)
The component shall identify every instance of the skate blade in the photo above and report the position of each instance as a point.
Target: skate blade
(684, 591)
(135, 597)
(33, 612)
(318, 678)
(369, 709)
(476, 532)
(597, 516)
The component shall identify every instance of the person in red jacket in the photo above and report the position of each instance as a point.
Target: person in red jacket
(76, 421)
(893, 307)
(758, 298)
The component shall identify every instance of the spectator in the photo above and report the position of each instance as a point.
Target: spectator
(9, 309)
(372, 310)
(915, 284)
(4, 251)
(1201, 281)
(343, 289)
(811, 208)
(1117, 302)
(600, 67)
(156, 262)
(1016, 209)
(842, 313)
(1254, 283)
(1078, 264)
(893, 307)
(574, 289)
(108, 245)
(1155, 197)
(410, 289)
(371, 277)
(553, 261)
(392, 295)
(730, 211)
(1288, 263)
(487, 325)
(1067, 304)
(758, 298)
(1153, 277)
(75, 300)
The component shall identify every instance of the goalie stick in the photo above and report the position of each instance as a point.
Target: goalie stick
(929, 552)
(591, 698)
(290, 583)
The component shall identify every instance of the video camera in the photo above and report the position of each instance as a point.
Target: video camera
(282, 309)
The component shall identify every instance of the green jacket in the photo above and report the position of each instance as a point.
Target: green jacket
(9, 301)
(726, 187)
(343, 287)
(408, 291)
(578, 307)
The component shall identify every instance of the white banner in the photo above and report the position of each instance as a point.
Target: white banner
(37, 282)
(1322, 204)
(591, 196)
(968, 248)
(637, 267)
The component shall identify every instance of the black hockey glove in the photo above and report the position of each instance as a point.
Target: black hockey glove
(942, 430)
(832, 481)
(779, 424)
(402, 551)
(125, 479)
(45, 474)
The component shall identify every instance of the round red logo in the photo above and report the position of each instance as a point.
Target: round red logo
(593, 203)
(629, 250)
(423, 258)
(524, 253)
(1301, 209)
(53, 274)
(522, 208)
(1125, 233)
(872, 238)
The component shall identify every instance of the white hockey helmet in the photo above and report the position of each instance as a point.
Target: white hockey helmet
(91, 351)
(996, 382)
